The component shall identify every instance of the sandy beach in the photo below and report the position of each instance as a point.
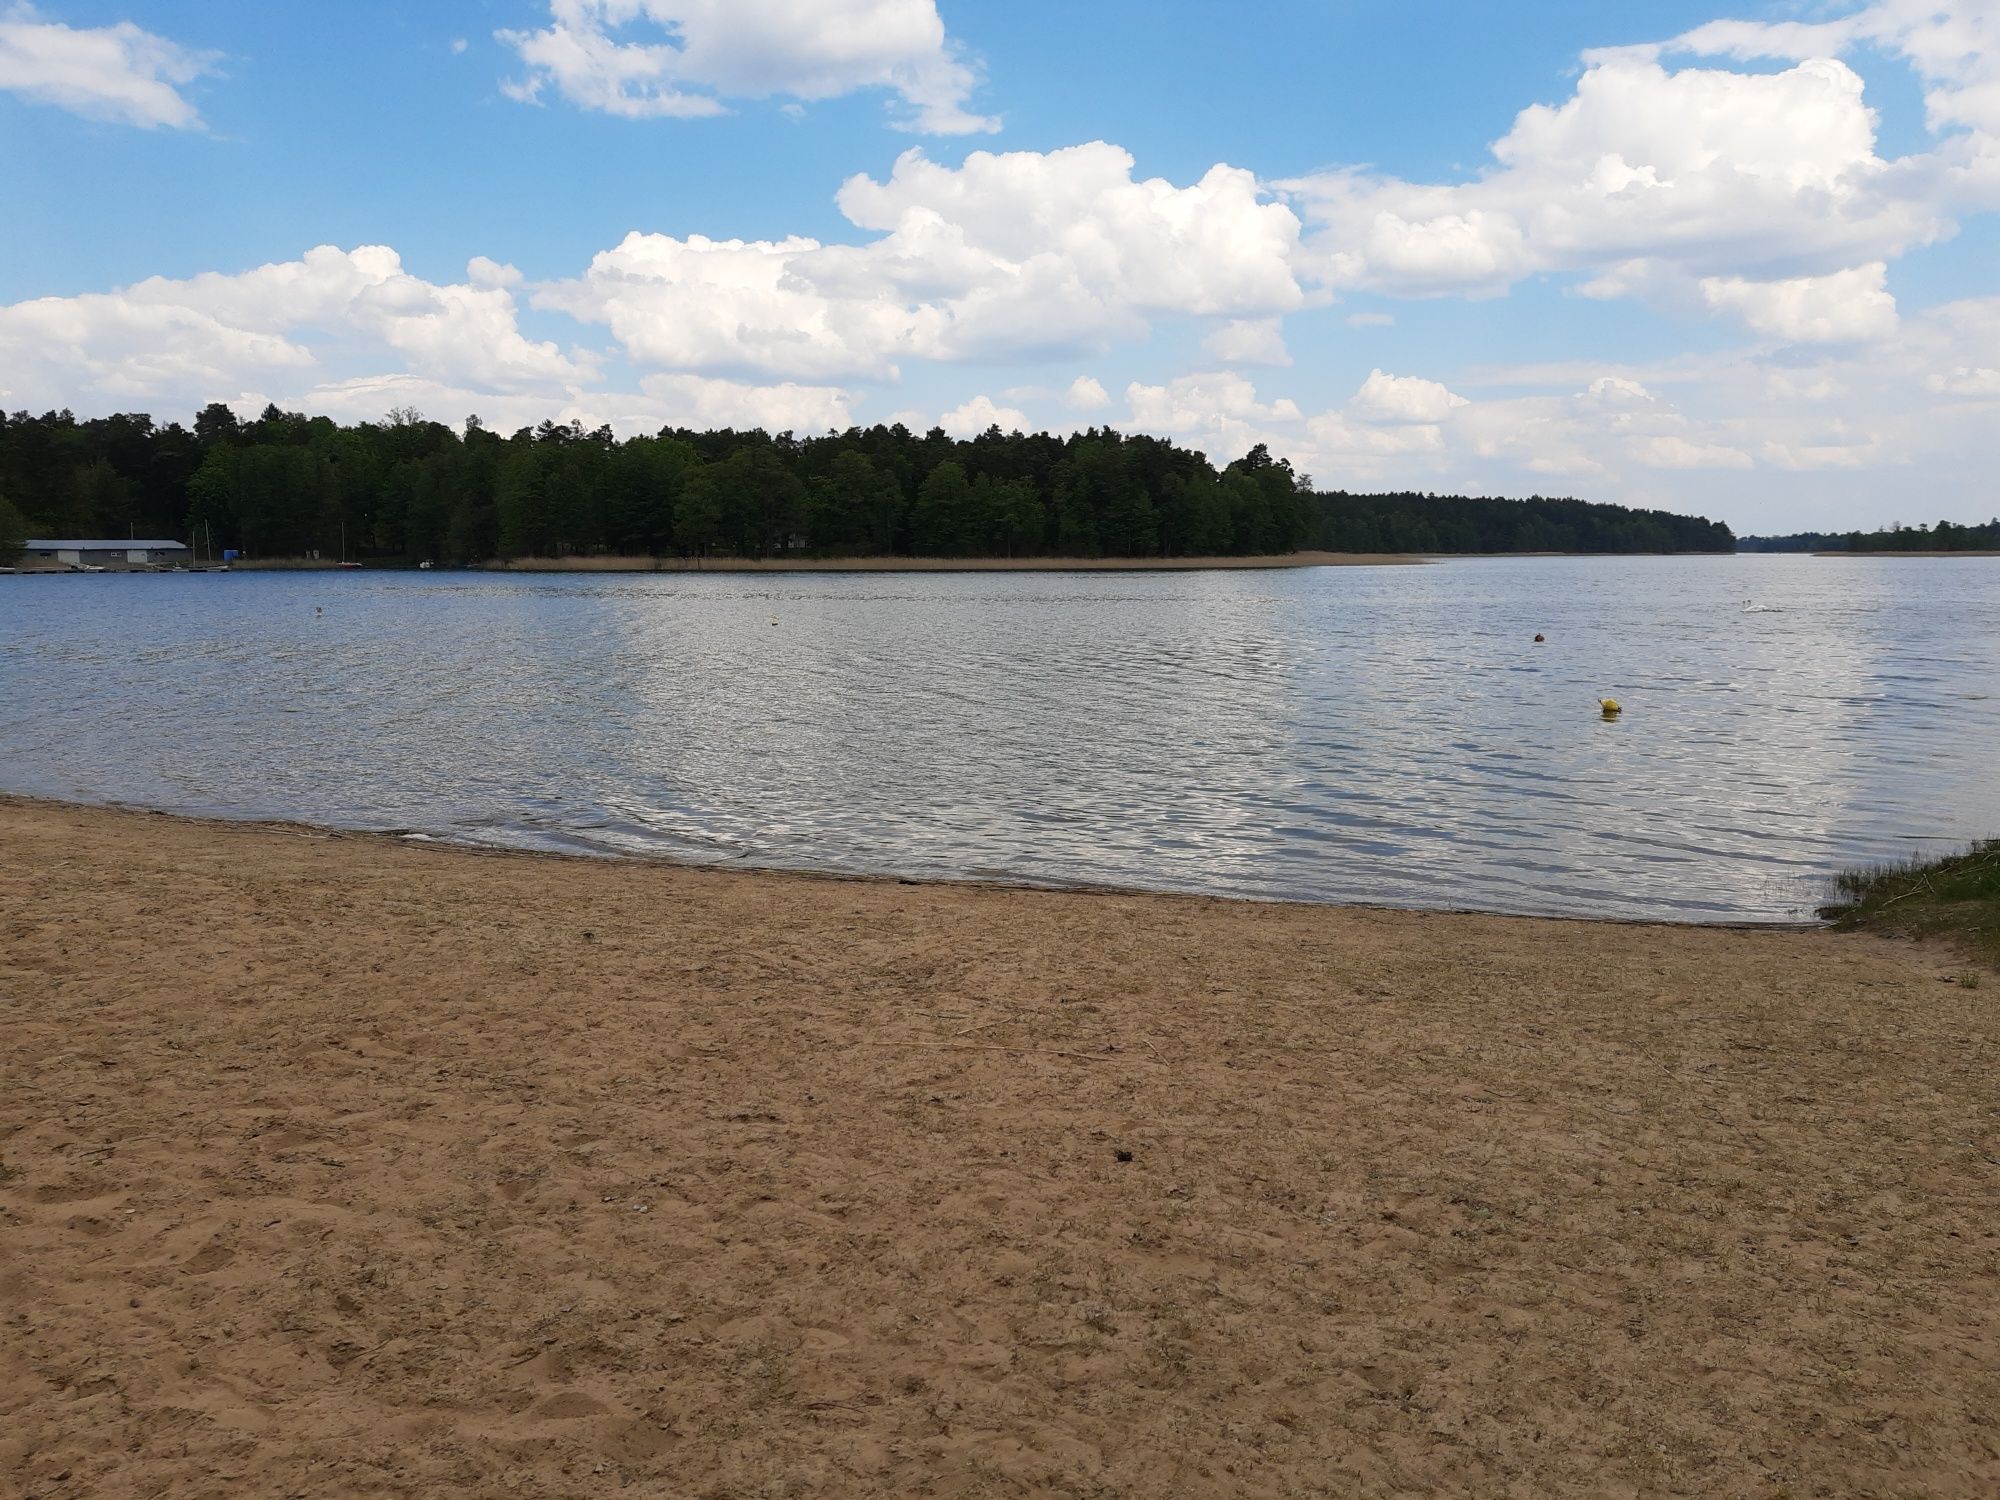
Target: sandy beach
(339, 1165)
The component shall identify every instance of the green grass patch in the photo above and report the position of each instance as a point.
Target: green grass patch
(1956, 897)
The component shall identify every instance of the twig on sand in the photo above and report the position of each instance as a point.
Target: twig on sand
(1913, 890)
(988, 1047)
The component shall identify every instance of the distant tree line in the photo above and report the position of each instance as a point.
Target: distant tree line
(287, 485)
(1455, 523)
(1797, 541)
(1946, 536)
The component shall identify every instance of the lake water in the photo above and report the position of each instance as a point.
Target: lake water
(1384, 735)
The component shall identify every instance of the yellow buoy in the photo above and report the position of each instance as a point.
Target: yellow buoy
(1610, 707)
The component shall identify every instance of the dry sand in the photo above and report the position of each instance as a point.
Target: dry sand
(949, 564)
(338, 1166)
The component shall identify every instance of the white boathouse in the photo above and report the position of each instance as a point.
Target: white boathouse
(42, 553)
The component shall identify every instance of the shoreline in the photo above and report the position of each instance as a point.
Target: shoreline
(407, 837)
(885, 564)
(895, 564)
(342, 1163)
(949, 564)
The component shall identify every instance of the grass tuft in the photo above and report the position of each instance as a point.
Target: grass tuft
(1956, 897)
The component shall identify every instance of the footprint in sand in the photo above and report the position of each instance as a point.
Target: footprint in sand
(568, 1406)
(213, 1258)
(52, 1195)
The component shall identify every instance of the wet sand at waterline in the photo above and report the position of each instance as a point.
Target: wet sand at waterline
(339, 1165)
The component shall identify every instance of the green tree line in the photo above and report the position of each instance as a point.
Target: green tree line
(287, 485)
(1946, 536)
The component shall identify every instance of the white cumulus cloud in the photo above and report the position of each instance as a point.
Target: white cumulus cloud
(1078, 216)
(1404, 398)
(980, 413)
(1966, 381)
(1842, 307)
(699, 402)
(1086, 393)
(1703, 171)
(190, 341)
(1249, 341)
(682, 58)
(1673, 451)
(1953, 44)
(120, 72)
(1758, 195)
(732, 305)
(1218, 412)
(482, 271)
(1018, 255)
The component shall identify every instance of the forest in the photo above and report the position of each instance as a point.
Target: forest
(1946, 536)
(406, 489)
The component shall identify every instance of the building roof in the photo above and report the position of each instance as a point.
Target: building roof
(113, 544)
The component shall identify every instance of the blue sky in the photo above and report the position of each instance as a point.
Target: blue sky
(1735, 259)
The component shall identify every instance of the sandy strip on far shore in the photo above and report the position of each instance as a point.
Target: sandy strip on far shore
(336, 1164)
(948, 564)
